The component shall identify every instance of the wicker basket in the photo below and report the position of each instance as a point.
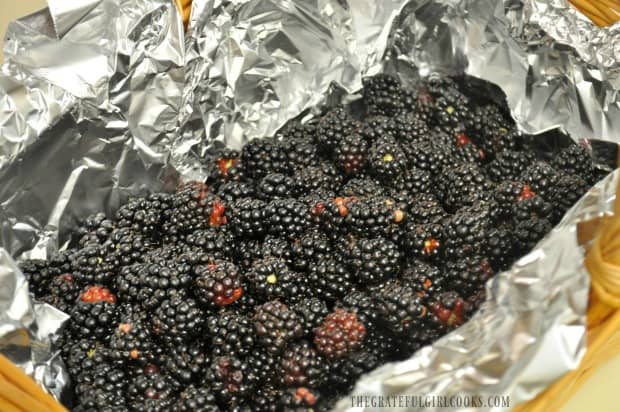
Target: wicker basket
(602, 261)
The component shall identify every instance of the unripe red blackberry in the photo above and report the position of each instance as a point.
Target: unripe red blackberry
(276, 324)
(339, 334)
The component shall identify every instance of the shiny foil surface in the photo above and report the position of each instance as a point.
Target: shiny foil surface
(104, 99)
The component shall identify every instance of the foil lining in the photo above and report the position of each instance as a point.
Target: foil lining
(104, 99)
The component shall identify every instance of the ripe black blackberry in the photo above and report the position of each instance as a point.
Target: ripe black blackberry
(329, 279)
(408, 127)
(63, 291)
(384, 95)
(350, 154)
(264, 365)
(363, 304)
(225, 167)
(466, 232)
(430, 155)
(399, 306)
(148, 284)
(271, 278)
(196, 398)
(102, 385)
(387, 161)
(132, 340)
(339, 334)
(277, 247)
(361, 187)
(575, 160)
(428, 280)
(413, 182)
(96, 228)
(246, 218)
(260, 157)
(311, 247)
(466, 151)
(542, 178)
(527, 233)
(333, 127)
(567, 191)
(468, 275)
(143, 215)
(230, 379)
(84, 354)
(316, 178)
(509, 165)
(217, 283)
(275, 325)
(275, 186)
(301, 365)
(450, 309)
(185, 362)
(93, 264)
(491, 131)
(311, 312)
(299, 148)
(451, 110)
(288, 217)
(127, 247)
(509, 193)
(330, 214)
(94, 314)
(232, 191)
(425, 208)
(351, 367)
(534, 206)
(217, 243)
(231, 334)
(375, 216)
(151, 389)
(461, 185)
(177, 319)
(375, 260)
(500, 247)
(424, 240)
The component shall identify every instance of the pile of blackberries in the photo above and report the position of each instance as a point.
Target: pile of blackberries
(305, 260)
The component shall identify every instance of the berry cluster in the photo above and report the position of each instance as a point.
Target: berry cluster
(306, 260)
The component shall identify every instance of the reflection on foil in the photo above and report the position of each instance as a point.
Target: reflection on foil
(103, 99)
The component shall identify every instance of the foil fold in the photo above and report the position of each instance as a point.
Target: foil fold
(104, 99)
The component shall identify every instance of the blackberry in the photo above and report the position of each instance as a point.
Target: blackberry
(63, 291)
(196, 398)
(451, 110)
(509, 165)
(461, 185)
(411, 183)
(128, 247)
(466, 151)
(271, 278)
(575, 160)
(566, 193)
(450, 309)
(508, 193)
(466, 232)
(329, 279)
(132, 338)
(95, 313)
(186, 362)
(102, 385)
(212, 242)
(217, 283)
(303, 366)
(424, 240)
(316, 178)
(375, 260)
(148, 284)
(275, 324)
(144, 215)
(340, 333)
(408, 127)
(533, 206)
(351, 367)
(384, 95)
(333, 127)
(375, 216)
(469, 275)
(491, 131)
(93, 264)
(361, 187)
(430, 155)
(95, 229)
(226, 167)
(399, 306)
(311, 312)
(311, 247)
(527, 233)
(264, 365)
(177, 319)
(387, 160)
(298, 399)
(231, 334)
(363, 304)
(246, 218)
(84, 354)
(275, 186)
(428, 280)
(351, 154)
(263, 156)
(424, 208)
(331, 213)
(230, 379)
(288, 217)
(230, 192)
(500, 248)
(151, 390)
(541, 178)
(277, 247)
(299, 148)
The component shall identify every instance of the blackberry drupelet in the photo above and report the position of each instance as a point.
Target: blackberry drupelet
(311, 312)
(375, 260)
(287, 217)
(217, 284)
(275, 325)
(339, 334)
(387, 160)
(263, 156)
(271, 278)
(177, 319)
(303, 366)
(329, 279)
(333, 127)
(509, 165)
(246, 218)
(351, 154)
(231, 334)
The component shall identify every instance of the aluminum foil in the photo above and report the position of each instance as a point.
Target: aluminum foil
(103, 99)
